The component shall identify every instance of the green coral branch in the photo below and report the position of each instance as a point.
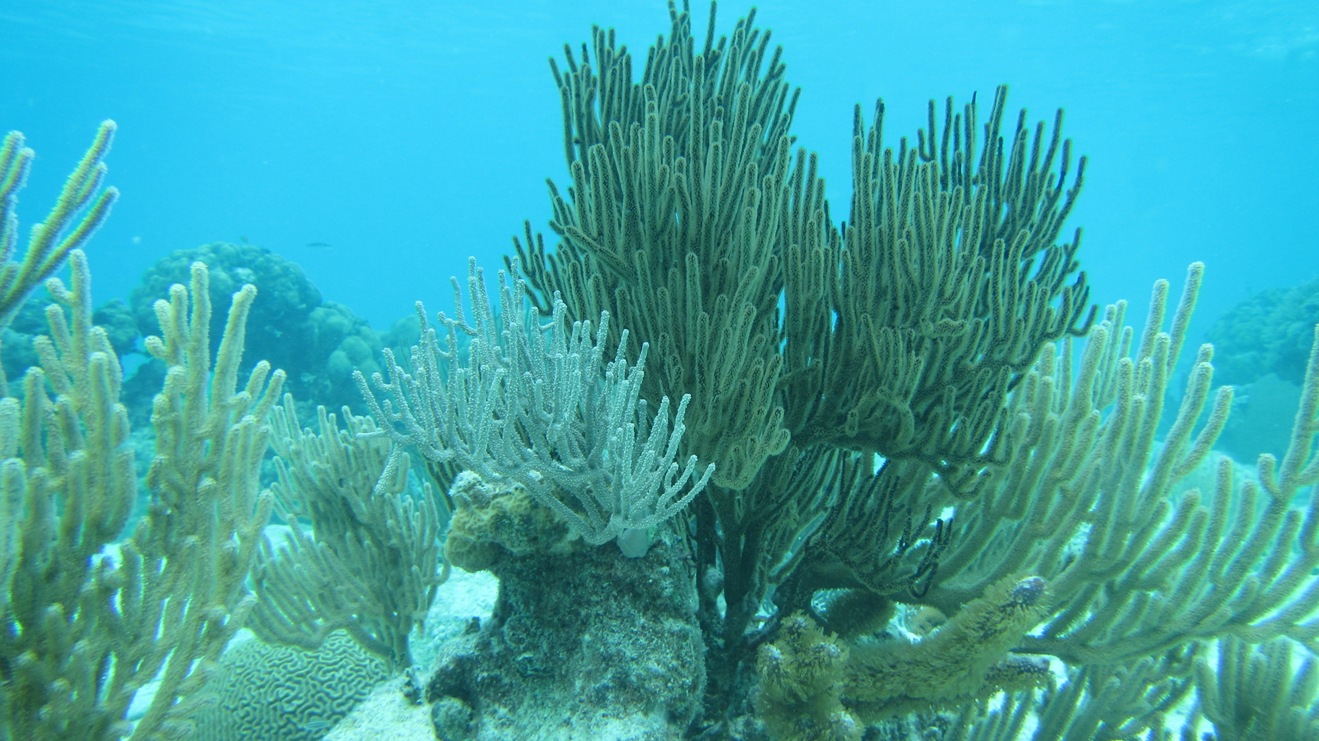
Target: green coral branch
(1117, 519)
(70, 466)
(1259, 691)
(371, 562)
(948, 281)
(86, 627)
(79, 211)
(672, 222)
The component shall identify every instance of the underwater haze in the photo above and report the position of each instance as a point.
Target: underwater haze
(378, 144)
(887, 479)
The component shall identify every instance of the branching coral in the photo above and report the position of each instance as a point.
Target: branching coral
(526, 403)
(85, 629)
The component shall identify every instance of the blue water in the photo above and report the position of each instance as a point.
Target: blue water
(406, 135)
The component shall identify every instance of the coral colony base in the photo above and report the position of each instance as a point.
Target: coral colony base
(739, 470)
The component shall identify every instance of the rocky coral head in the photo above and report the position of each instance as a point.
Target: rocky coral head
(495, 520)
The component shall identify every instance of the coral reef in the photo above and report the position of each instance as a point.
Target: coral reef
(1267, 333)
(318, 343)
(1261, 346)
(911, 417)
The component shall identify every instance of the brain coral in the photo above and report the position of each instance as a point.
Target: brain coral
(261, 691)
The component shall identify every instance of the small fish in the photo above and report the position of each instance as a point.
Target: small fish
(317, 245)
(318, 726)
